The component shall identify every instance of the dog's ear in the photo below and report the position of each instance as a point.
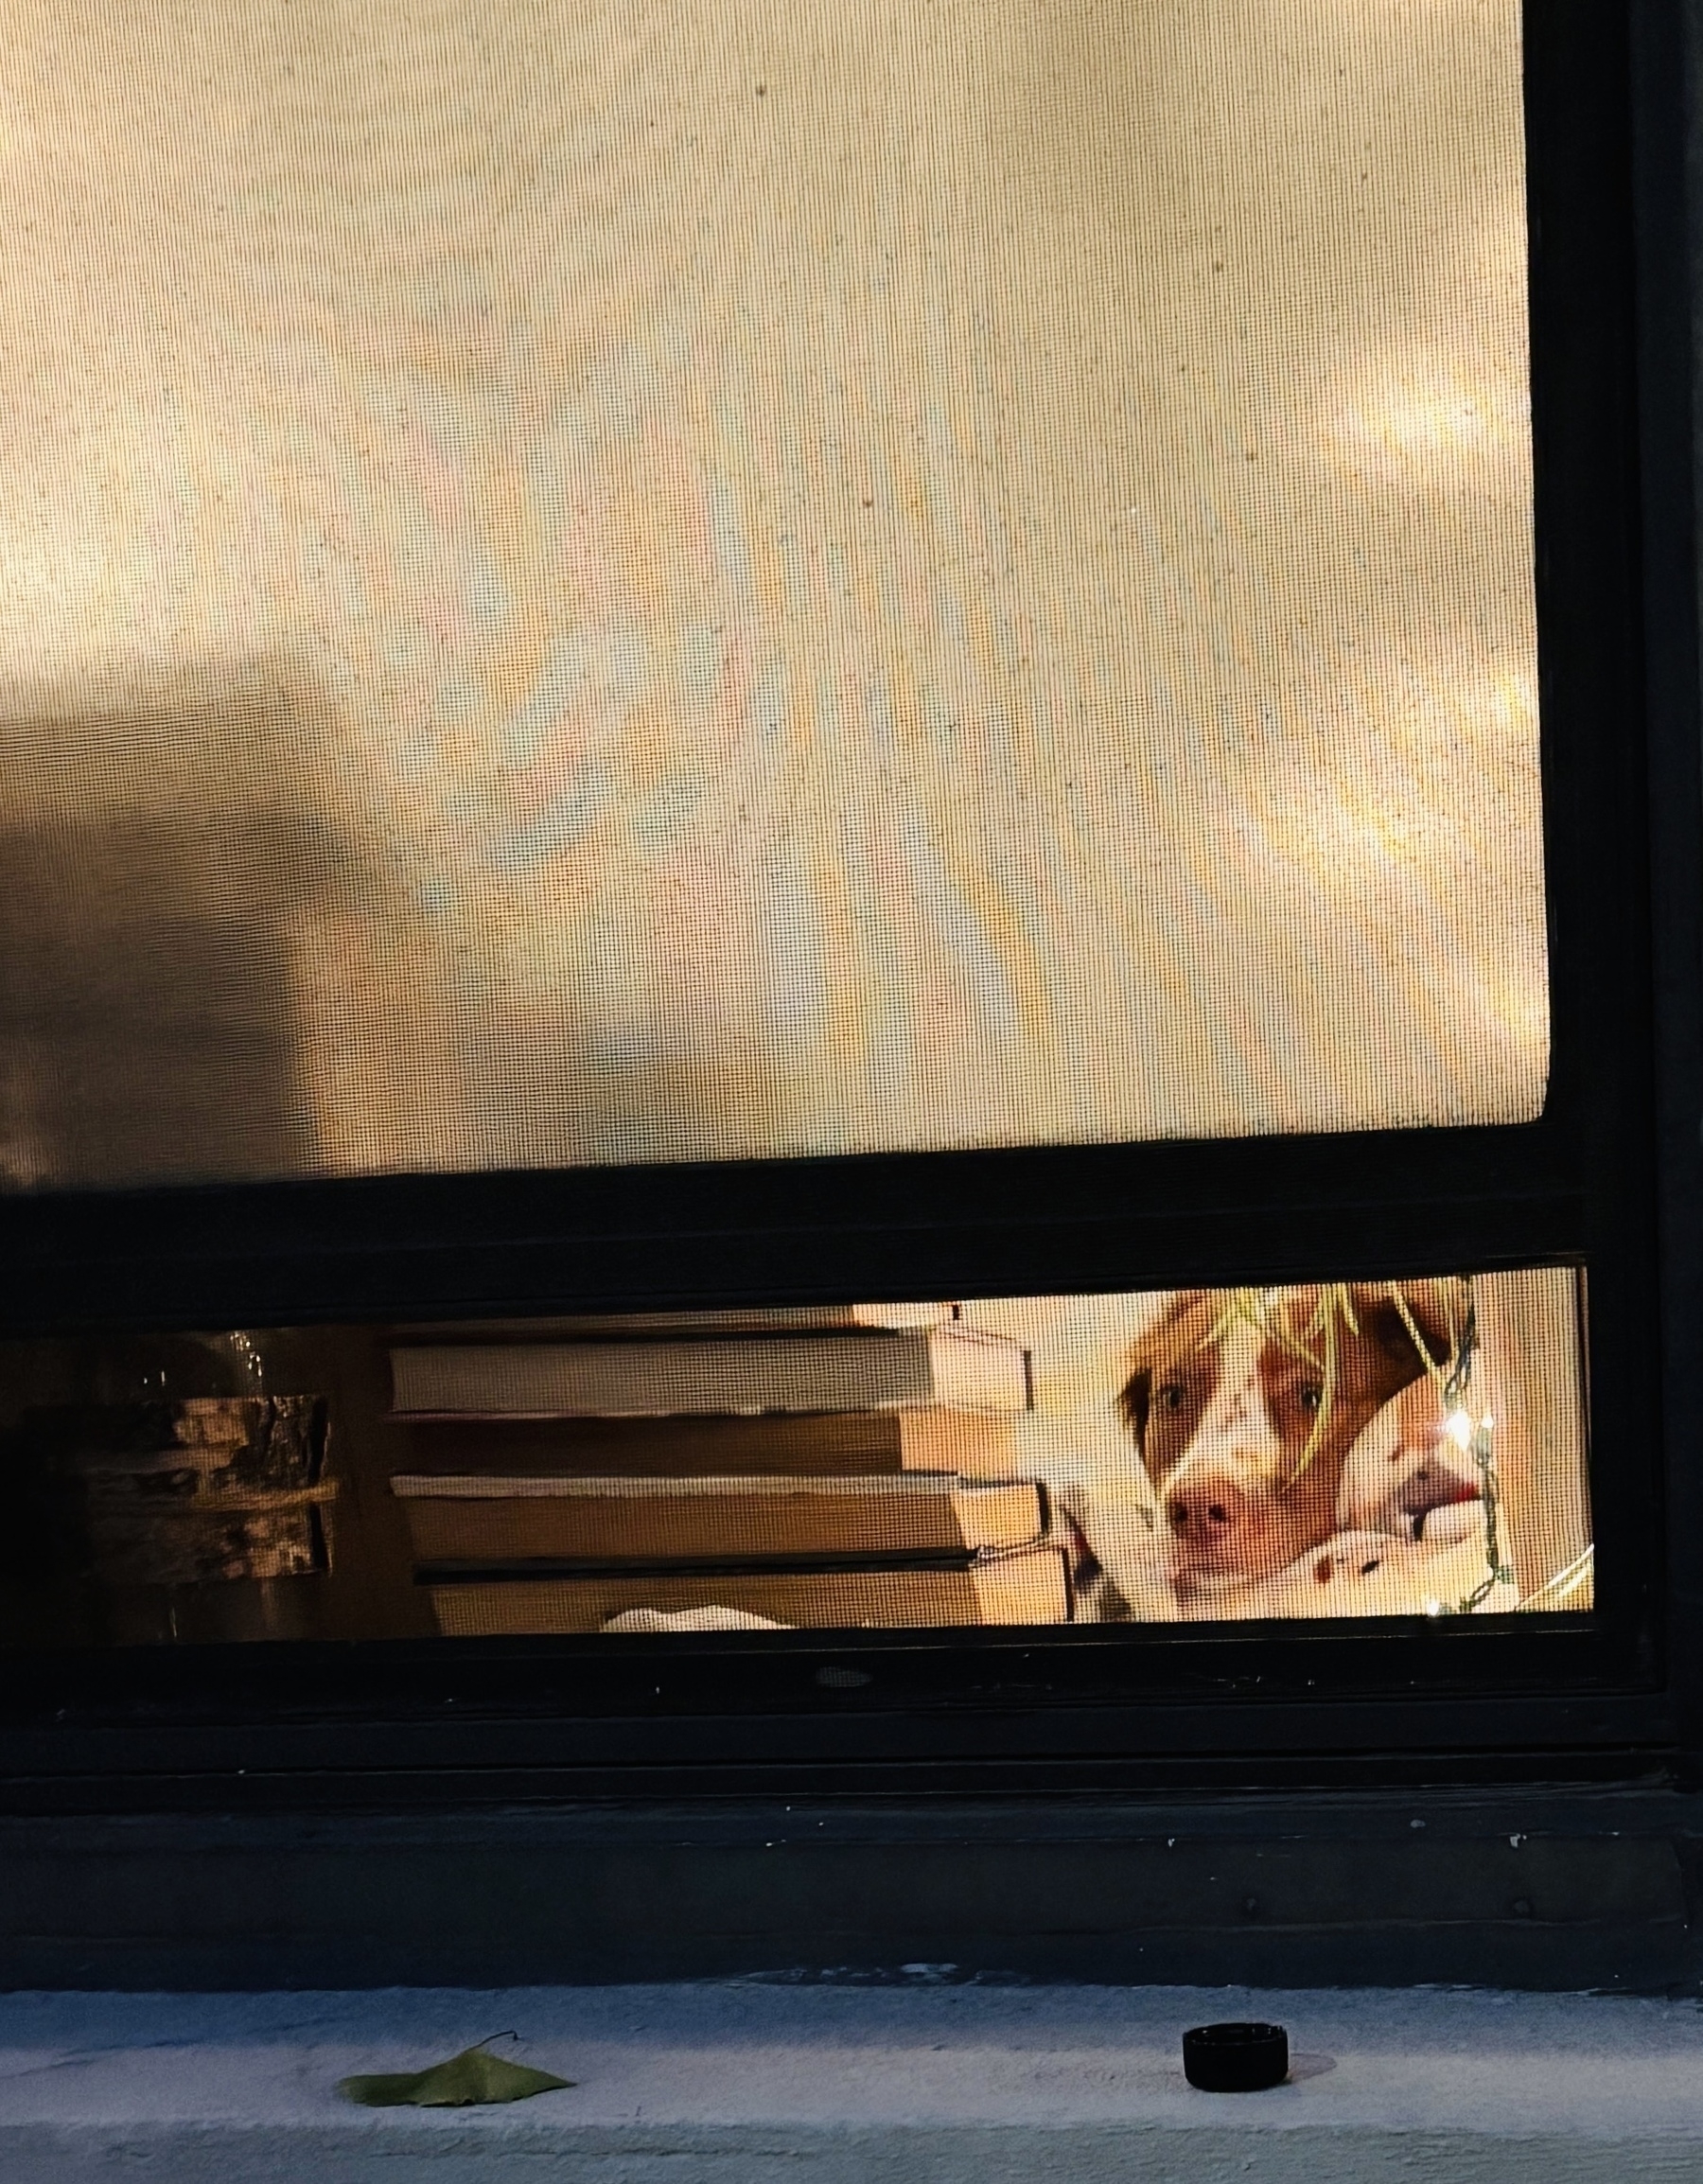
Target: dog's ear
(1437, 1310)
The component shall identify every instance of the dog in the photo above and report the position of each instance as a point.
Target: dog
(1383, 1573)
(1244, 1430)
(1407, 1477)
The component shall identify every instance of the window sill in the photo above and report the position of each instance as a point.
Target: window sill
(926, 2080)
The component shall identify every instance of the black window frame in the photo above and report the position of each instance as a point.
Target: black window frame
(1607, 1178)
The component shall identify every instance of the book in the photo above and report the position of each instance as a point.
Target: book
(517, 1520)
(738, 1319)
(1029, 1586)
(740, 1375)
(975, 1444)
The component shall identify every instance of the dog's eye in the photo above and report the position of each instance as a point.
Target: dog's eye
(1169, 1397)
(1311, 1398)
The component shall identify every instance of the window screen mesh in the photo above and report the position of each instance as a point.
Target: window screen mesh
(656, 580)
(1357, 1449)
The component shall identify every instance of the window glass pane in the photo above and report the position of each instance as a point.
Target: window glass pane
(686, 579)
(1351, 1450)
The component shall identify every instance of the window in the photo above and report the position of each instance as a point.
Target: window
(1370, 1450)
(669, 668)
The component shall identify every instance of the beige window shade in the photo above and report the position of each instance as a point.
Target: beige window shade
(607, 582)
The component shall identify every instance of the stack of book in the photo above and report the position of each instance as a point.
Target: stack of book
(820, 1469)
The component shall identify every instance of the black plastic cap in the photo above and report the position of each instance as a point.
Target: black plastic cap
(1236, 2058)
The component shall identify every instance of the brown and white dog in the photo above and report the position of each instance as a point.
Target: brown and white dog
(1406, 1477)
(1223, 1412)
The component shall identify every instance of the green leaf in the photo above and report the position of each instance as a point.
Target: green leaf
(468, 2080)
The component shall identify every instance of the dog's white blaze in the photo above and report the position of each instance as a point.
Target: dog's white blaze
(1238, 1424)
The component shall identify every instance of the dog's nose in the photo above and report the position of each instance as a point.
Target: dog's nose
(1208, 1512)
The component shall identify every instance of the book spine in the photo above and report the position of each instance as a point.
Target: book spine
(743, 1377)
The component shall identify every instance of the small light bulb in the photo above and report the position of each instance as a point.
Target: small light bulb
(1434, 1607)
(1458, 1426)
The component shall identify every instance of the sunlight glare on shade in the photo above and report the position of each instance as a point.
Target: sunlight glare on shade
(678, 581)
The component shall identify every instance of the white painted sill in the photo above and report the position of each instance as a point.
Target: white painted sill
(831, 2084)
